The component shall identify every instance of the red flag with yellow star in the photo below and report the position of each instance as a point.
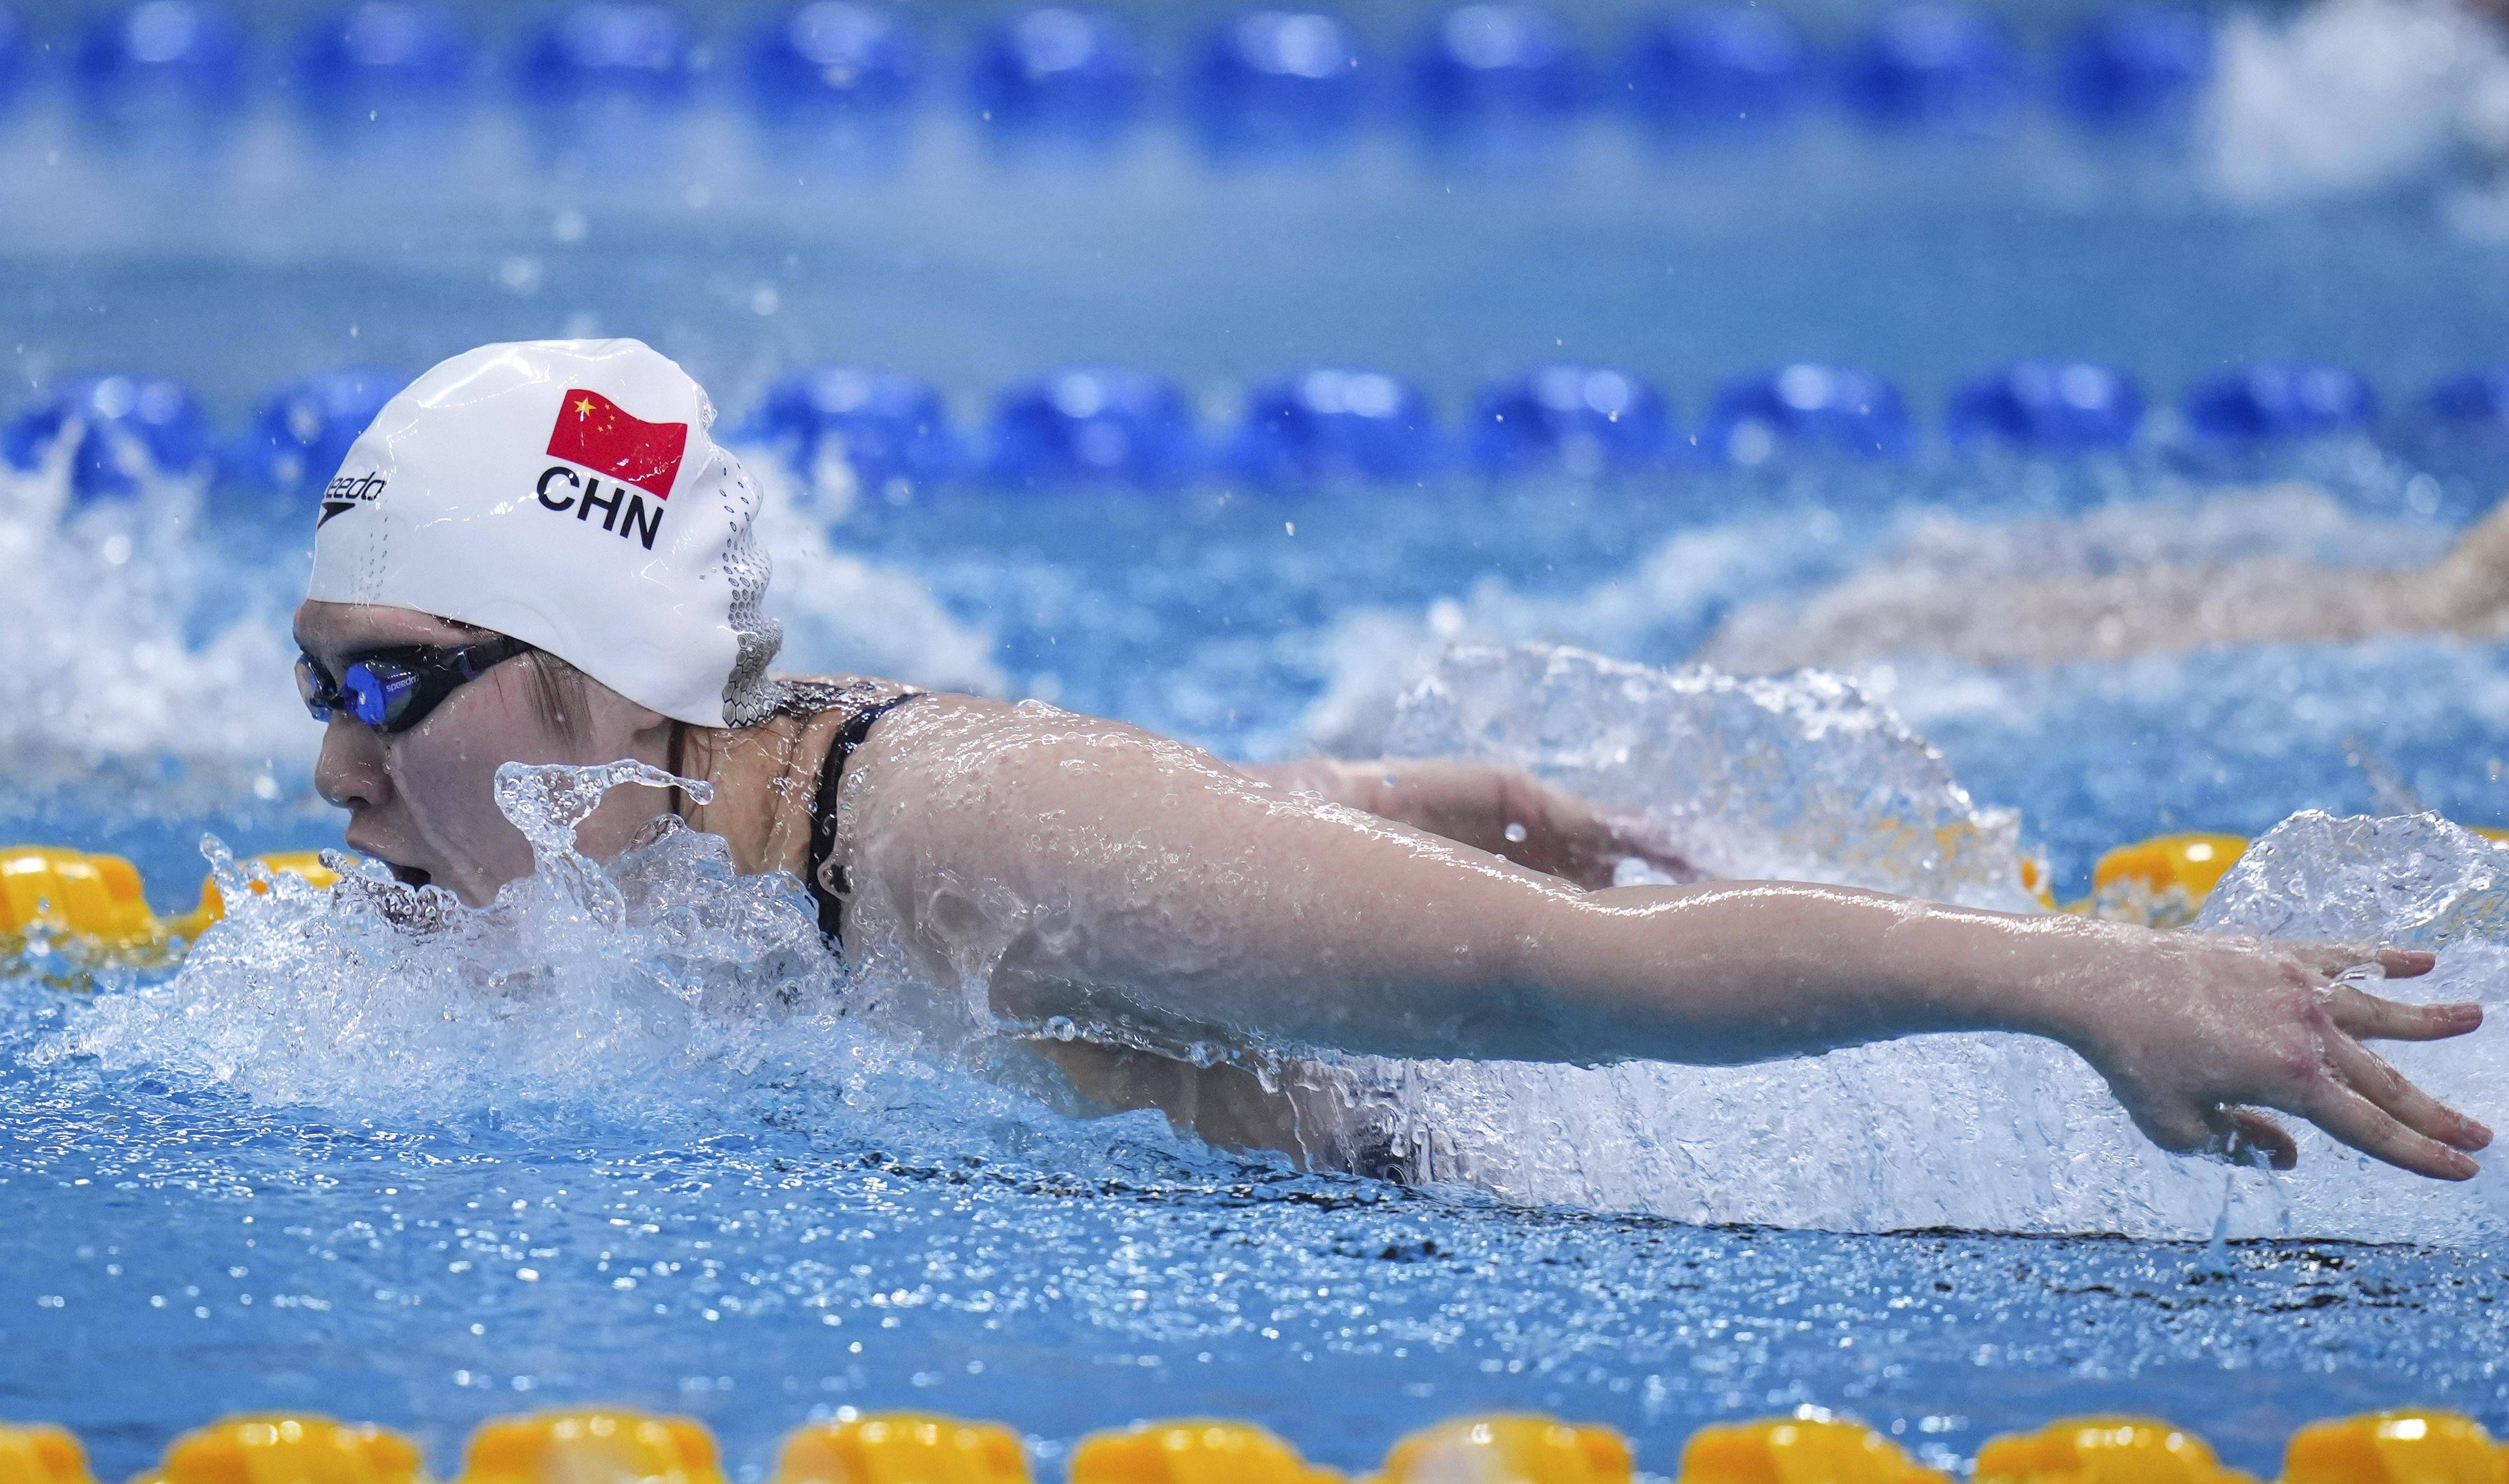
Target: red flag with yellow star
(592, 430)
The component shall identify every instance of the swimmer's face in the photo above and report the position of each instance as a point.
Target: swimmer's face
(423, 800)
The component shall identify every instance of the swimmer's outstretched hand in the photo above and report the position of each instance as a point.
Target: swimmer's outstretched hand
(2202, 1028)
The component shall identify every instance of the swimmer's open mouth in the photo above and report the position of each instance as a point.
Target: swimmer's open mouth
(408, 876)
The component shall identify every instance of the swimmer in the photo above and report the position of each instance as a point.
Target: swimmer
(2112, 615)
(537, 554)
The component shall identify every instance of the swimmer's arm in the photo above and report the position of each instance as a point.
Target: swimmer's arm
(1505, 811)
(1149, 893)
(2473, 578)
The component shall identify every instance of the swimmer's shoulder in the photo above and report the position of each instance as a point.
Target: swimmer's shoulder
(931, 736)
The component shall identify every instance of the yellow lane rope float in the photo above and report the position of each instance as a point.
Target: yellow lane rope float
(2103, 1450)
(1507, 1448)
(42, 1454)
(905, 1448)
(586, 1447)
(607, 1446)
(288, 1449)
(1192, 1452)
(1813, 1448)
(98, 903)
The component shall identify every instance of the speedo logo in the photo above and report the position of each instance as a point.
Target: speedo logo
(346, 492)
(622, 510)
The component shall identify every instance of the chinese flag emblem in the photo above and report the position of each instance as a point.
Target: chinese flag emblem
(592, 430)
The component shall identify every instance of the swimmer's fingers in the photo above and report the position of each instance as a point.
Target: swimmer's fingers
(2336, 959)
(1666, 863)
(2396, 1095)
(2375, 1017)
(2355, 1119)
(2246, 1136)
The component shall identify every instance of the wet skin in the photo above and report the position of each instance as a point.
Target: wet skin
(424, 802)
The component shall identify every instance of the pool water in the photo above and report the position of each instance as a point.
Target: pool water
(598, 1152)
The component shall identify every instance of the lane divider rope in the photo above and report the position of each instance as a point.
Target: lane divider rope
(603, 1446)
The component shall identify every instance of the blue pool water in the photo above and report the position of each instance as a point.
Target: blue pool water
(424, 1191)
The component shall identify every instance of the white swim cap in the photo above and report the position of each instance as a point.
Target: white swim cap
(564, 492)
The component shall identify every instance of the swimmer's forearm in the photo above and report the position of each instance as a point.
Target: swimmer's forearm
(1747, 971)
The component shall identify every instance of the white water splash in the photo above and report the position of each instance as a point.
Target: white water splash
(579, 982)
(1994, 1132)
(141, 666)
(2417, 882)
(1375, 653)
(1794, 779)
(2353, 95)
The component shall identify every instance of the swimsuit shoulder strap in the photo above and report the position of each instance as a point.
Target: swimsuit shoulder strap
(827, 875)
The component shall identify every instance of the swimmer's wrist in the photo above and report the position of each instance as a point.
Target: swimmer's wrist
(2053, 988)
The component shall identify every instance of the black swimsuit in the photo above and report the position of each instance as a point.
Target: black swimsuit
(826, 877)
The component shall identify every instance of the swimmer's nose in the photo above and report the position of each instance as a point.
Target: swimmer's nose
(350, 772)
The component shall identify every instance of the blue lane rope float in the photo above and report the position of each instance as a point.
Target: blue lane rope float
(2476, 401)
(1585, 419)
(618, 1446)
(1262, 79)
(1278, 81)
(114, 431)
(1075, 73)
(375, 60)
(1095, 425)
(624, 51)
(2136, 66)
(1808, 408)
(2049, 405)
(835, 57)
(2274, 399)
(1735, 65)
(1497, 66)
(882, 424)
(153, 53)
(13, 66)
(300, 431)
(1335, 422)
(1940, 68)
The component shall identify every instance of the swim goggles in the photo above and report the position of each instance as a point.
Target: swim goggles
(393, 689)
